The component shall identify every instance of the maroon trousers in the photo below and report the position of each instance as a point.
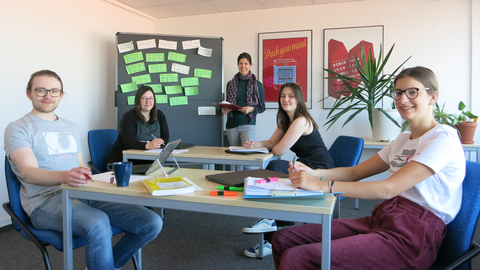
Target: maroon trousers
(400, 234)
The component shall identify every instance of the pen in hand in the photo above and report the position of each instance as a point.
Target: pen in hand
(89, 177)
(293, 161)
(155, 137)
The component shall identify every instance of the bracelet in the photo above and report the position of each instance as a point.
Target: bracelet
(321, 178)
(331, 186)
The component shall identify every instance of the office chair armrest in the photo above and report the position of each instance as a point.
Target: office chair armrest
(24, 227)
(474, 251)
(93, 167)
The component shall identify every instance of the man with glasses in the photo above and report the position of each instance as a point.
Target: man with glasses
(44, 152)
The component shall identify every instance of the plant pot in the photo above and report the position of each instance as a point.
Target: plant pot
(384, 130)
(467, 131)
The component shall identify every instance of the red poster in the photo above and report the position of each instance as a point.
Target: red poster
(284, 61)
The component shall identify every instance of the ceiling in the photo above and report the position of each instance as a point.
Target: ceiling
(178, 8)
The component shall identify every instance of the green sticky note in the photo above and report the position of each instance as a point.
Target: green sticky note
(191, 91)
(128, 87)
(177, 57)
(155, 57)
(157, 68)
(169, 77)
(131, 100)
(190, 81)
(134, 68)
(173, 89)
(203, 73)
(161, 98)
(133, 57)
(157, 88)
(142, 79)
(175, 101)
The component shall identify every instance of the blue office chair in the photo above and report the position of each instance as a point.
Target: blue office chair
(41, 238)
(100, 141)
(346, 152)
(458, 247)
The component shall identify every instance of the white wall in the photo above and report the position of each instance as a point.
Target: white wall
(76, 39)
(436, 33)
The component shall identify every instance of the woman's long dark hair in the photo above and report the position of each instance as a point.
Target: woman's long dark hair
(138, 110)
(283, 121)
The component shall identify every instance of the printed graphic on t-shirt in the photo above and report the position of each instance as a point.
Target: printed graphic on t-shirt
(401, 160)
(60, 143)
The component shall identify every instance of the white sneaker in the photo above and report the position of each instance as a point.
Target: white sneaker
(261, 226)
(253, 251)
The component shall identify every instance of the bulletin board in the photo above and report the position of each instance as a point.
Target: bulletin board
(186, 73)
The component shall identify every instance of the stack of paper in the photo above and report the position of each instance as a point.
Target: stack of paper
(279, 188)
(168, 186)
(248, 149)
(176, 151)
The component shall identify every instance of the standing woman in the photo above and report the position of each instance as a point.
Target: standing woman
(297, 131)
(143, 127)
(245, 91)
(422, 193)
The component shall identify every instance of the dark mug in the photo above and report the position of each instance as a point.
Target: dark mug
(122, 172)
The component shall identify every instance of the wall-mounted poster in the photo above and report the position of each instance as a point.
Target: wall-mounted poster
(340, 47)
(285, 57)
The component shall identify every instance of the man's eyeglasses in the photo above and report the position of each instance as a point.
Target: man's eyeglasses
(145, 99)
(411, 92)
(41, 92)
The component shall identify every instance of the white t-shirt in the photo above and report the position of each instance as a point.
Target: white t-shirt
(440, 150)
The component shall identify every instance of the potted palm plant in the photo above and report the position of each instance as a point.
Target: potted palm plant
(366, 92)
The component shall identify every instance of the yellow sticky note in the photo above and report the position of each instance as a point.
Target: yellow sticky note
(161, 98)
(191, 91)
(157, 88)
(155, 57)
(175, 101)
(142, 79)
(134, 68)
(173, 89)
(128, 87)
(169, 77)
(177, 57)
(190, 81)
(131, 100)
(203, 73)
(133, 57)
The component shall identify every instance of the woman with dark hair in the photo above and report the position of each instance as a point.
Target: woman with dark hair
(297, 131)
(143, 127)
(422, 193)
(245, 91)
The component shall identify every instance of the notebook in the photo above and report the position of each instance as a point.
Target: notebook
(160, 160)
(236, 179)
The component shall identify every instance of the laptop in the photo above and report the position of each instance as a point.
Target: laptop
(158, 162)
(235, 179)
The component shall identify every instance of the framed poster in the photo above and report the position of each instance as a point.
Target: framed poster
(285, 57)
(340, 47)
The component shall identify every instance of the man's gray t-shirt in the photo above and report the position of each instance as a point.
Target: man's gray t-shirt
(55, 144)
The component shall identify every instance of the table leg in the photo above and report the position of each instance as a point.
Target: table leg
(67, 231)
(326, 241)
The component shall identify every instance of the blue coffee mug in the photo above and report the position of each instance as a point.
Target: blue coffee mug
(122, 172)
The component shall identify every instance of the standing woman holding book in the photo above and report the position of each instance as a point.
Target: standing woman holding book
(143, 127)
(423, 193)
(245, 91)
(297, 131)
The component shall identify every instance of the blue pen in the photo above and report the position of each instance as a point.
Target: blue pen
(155, 137)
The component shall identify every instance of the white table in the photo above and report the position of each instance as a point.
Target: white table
(208, 155)
(305, 210)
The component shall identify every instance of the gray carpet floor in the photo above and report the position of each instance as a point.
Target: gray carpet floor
(188, 240)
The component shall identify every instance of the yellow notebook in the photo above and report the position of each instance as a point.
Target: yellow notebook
(168, 186)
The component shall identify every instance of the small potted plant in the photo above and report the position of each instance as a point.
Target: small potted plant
(466, 124)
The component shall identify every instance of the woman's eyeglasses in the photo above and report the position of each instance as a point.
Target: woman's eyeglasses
(411, 92)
